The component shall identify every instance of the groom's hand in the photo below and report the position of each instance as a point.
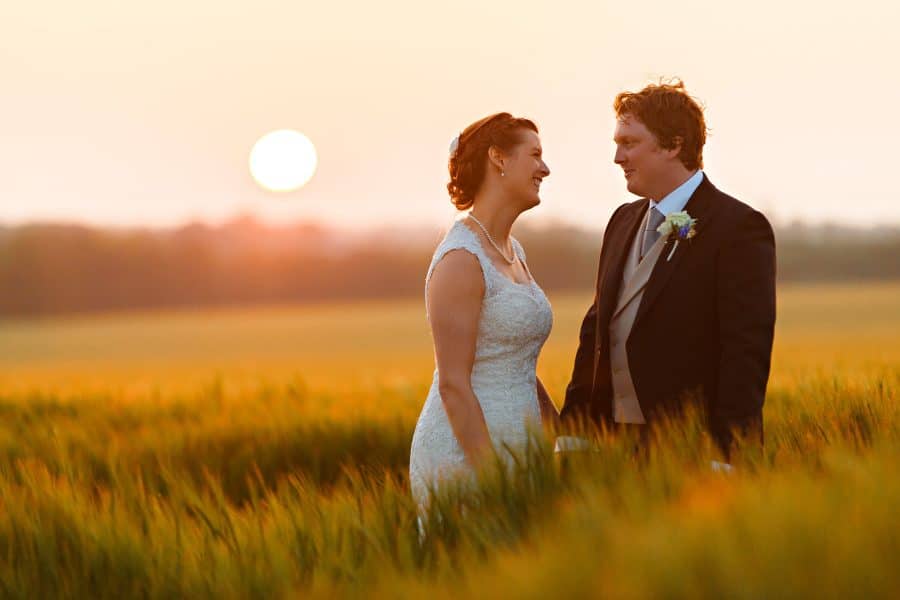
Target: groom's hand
(571, 443)
(720, 467)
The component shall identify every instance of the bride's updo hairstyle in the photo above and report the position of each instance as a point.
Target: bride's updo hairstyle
(468, 159)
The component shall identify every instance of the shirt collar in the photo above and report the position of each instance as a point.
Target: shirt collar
(676, 200)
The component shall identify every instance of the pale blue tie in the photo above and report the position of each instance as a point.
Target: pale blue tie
(650, 233)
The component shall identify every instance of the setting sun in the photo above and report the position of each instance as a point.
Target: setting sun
(283, 160)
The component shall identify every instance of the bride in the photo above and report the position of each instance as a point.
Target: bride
(489, 319)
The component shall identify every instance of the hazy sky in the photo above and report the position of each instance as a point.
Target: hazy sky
(144, 113)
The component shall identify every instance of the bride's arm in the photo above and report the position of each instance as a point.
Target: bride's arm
(455, 292)
(549, 414)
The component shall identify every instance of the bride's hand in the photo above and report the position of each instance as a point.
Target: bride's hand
(549, 414)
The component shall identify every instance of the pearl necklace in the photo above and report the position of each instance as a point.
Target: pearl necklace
(493, 243)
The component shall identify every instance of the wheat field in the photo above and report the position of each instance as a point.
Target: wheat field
(263, 453)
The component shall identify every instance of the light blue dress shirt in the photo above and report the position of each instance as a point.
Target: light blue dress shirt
(678, 198)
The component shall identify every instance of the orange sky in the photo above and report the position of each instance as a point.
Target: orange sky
(117, 114)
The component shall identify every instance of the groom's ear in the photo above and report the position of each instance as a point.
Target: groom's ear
(675, 149)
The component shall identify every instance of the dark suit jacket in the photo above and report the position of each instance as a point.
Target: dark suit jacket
(704, 329)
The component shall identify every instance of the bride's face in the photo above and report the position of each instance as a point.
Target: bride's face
(525, 169)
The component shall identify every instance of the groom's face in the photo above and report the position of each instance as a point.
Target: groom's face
(640, 156)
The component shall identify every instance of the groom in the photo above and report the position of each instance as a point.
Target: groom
(676, 320)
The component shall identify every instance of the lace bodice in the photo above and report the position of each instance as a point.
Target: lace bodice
(514, 324)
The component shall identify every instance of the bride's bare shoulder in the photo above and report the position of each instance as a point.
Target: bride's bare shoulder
(458, 269)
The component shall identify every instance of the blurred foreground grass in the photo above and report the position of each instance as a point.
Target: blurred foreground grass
(264, 454)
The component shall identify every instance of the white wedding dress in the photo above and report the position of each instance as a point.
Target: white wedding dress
(514, 324)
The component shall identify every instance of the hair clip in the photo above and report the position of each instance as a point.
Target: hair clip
(454, 146)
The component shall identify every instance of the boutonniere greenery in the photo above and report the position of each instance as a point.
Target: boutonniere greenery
(678, 226)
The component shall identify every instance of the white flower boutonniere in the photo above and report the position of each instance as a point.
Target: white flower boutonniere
(678, 226)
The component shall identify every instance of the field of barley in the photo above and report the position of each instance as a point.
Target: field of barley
(263, 453)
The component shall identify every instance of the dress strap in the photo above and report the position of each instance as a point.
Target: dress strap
(460, 237)
(520, 251)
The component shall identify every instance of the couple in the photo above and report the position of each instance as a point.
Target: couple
(684, 309)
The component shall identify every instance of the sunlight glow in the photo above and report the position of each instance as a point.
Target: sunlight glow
(283, 160)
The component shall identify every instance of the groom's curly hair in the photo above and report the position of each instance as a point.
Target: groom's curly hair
(468, 163)
(671, 115)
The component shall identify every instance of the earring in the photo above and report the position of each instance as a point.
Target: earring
(502, 173)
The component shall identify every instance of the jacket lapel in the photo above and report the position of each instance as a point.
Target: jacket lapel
(700, 206)
(641, 275)
(619, 246)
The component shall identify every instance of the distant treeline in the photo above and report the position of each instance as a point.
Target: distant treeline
(56, 269)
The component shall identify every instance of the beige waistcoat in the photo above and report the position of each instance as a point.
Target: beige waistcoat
(626, 408)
